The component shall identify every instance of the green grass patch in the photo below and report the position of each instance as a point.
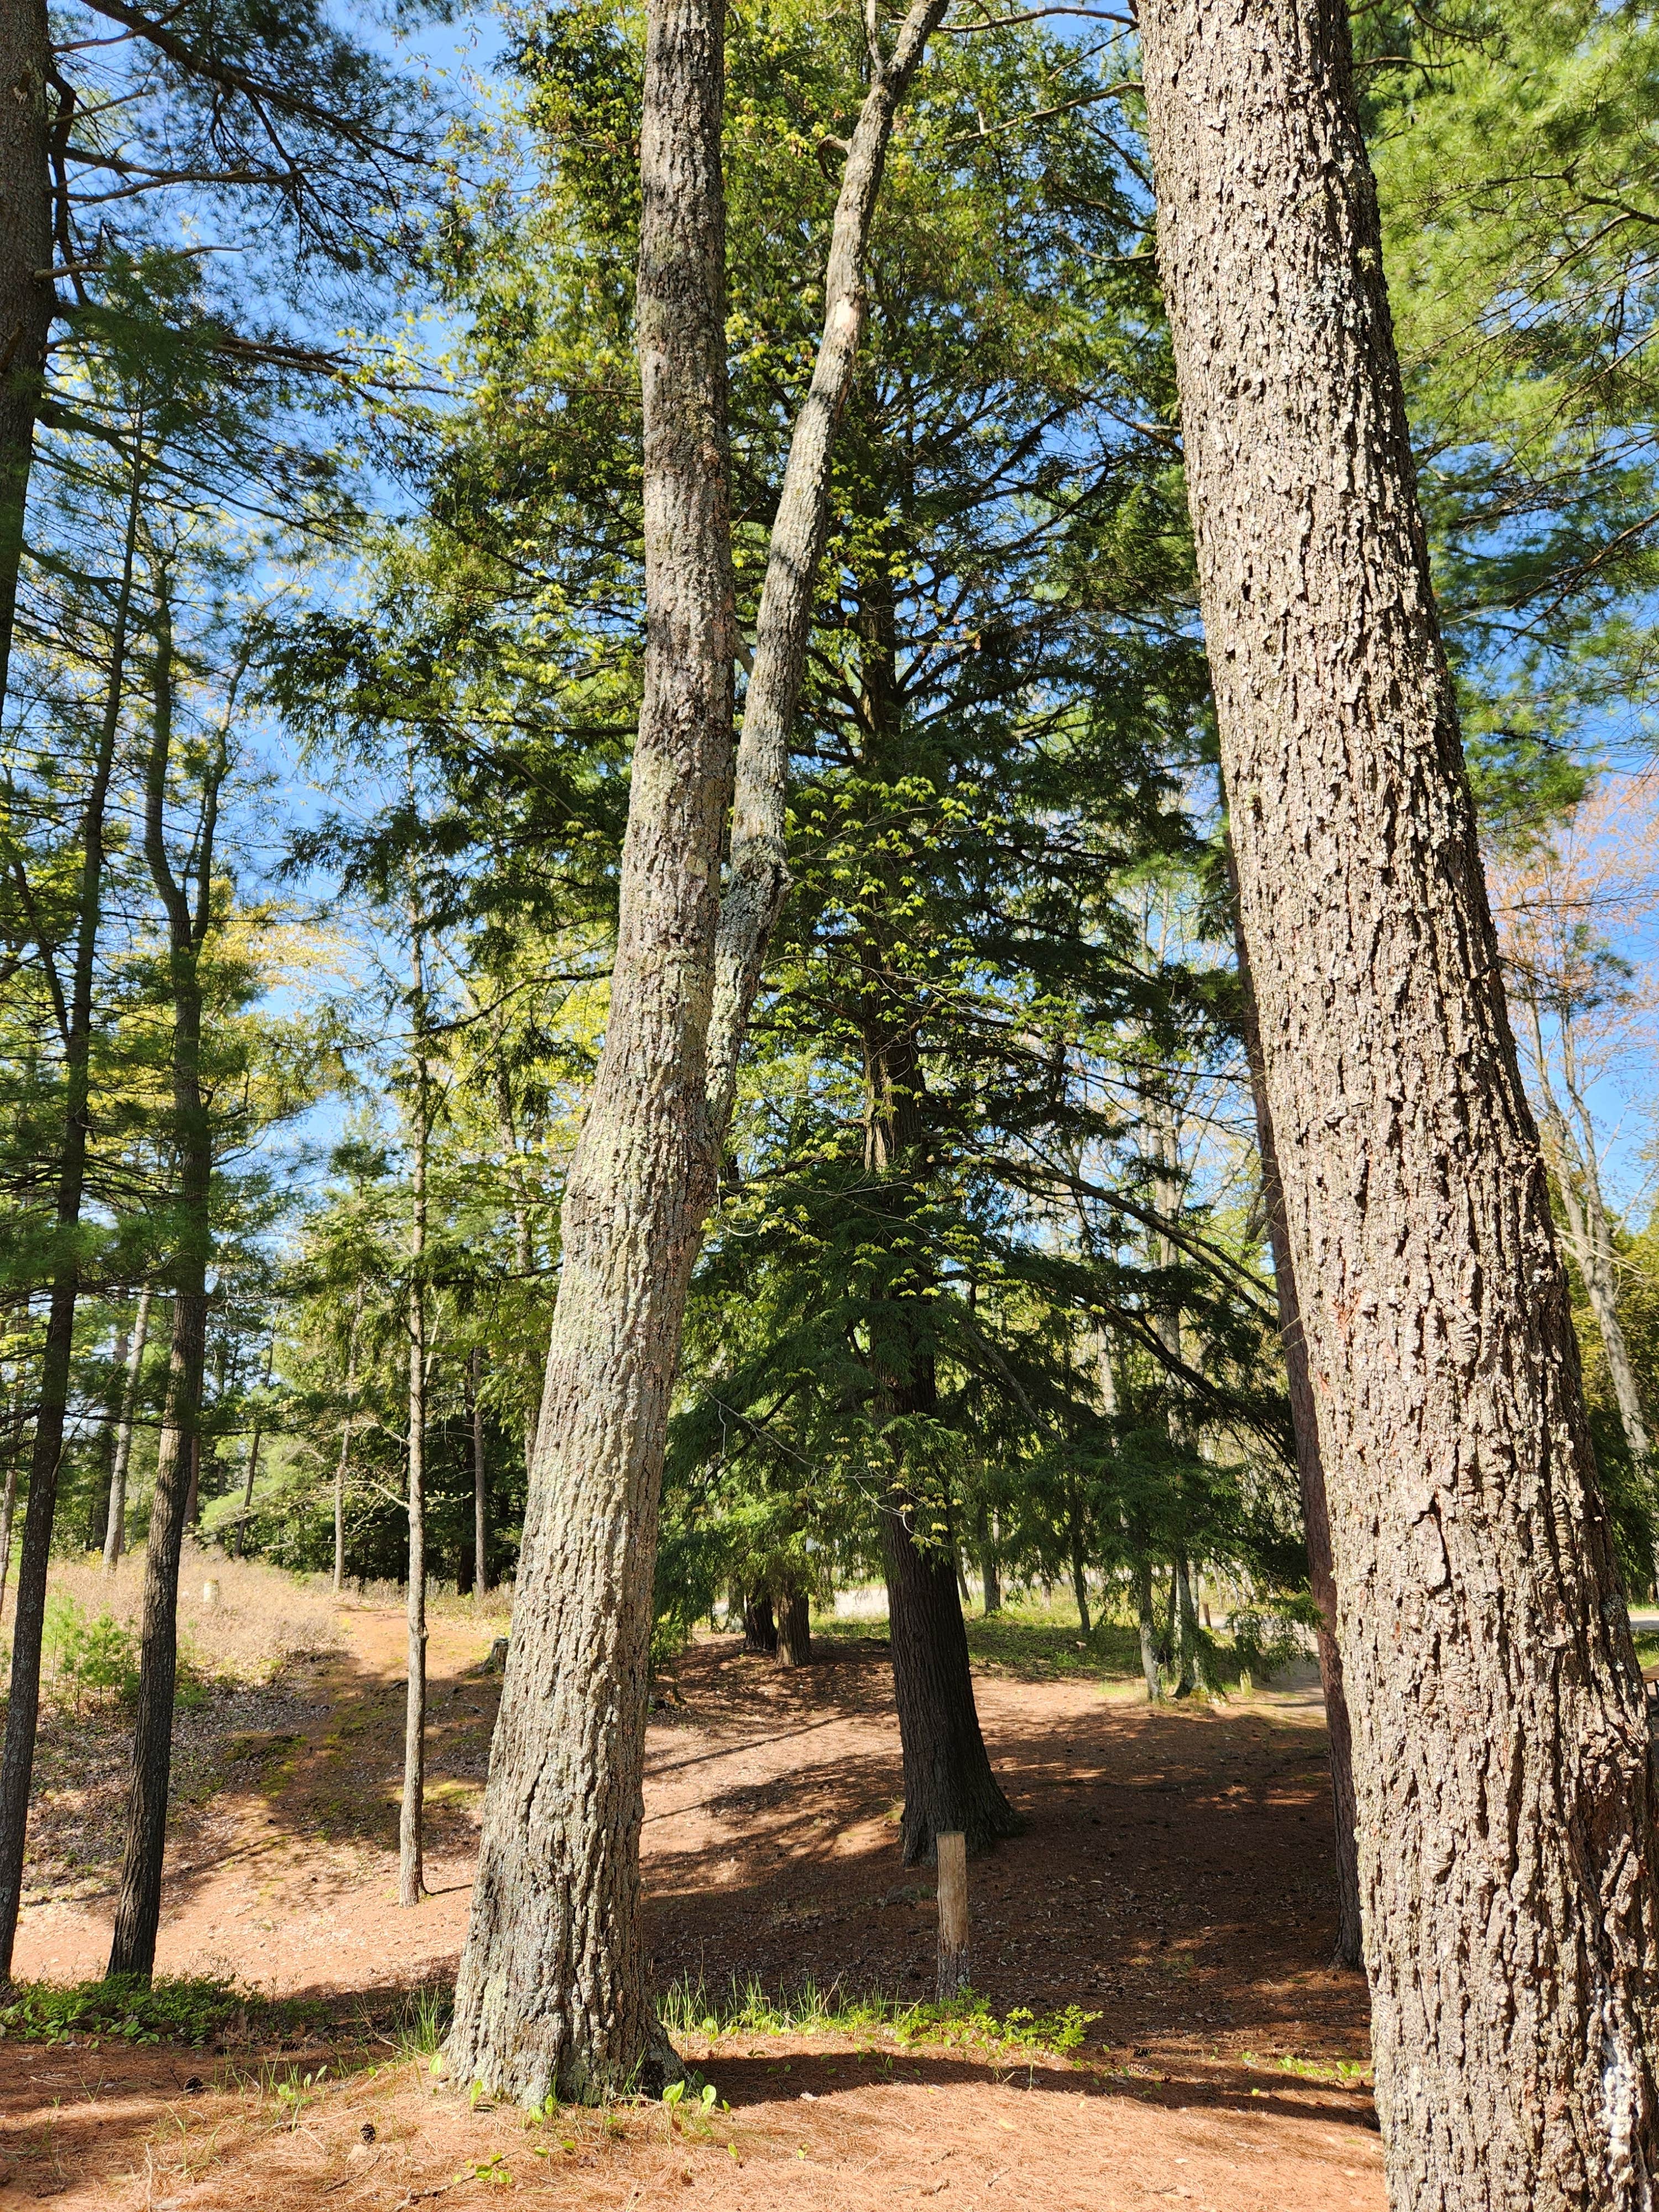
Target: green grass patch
(687, 2008)
(121, 2010)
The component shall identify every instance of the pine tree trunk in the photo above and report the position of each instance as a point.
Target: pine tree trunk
(411, 1818)
(7, 1514)
(1501, 1763)
(1148, 1619)
(115, 1524)
(26, 295)
(28, 1620)
(481, 1581)
(990, 1579)
(1311, 1473)
(138, 1906)
(1079, 1574)
(551, 1997)
(760, 1627)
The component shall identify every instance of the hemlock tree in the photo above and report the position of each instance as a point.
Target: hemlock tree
(1514, 1962)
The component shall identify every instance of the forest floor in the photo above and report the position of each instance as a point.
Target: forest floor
(1172, 1884)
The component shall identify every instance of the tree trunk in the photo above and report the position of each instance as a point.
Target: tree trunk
(759, 1628)
(990, 1579)
(1311, 1473)
(138, 1907)
(523, 1243)
(550, 1995)
(481, 1580)
(8, 1512)
(948, 1782)
(256, 1434)
(99, 1503)
(795, 1630)
(75, 1015)
(551, 1998)
(27, 294)
(1080, 1572)
(1148, 1618)
(1502, 1760)
(411, 1877)
(115, 1525)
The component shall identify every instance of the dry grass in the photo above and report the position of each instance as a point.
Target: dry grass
(264, 1620)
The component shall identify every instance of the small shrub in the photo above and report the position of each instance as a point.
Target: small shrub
(90, 1657)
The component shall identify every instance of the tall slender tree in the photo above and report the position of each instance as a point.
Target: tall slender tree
(1514, 1960)
(551, 1995)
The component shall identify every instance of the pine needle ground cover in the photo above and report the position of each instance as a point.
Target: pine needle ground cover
(1154, 2010)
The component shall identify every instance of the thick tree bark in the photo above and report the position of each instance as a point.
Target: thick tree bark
(27, 296)
(75, 1011)
(116, 1524)
(138, 1907)
(1501, 1763)
(1311, 1474)
(551, 1997)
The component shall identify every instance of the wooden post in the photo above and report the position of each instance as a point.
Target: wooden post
(954, 1976)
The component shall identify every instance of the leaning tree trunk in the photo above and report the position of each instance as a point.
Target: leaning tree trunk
(1311, 1473)
(27, 296)
(1502, 1764)
(550, 1995)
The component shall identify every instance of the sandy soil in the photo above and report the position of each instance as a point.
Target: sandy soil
(1173, 1878)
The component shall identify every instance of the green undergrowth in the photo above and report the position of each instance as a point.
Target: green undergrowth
(122, 2011)
(687, 2008)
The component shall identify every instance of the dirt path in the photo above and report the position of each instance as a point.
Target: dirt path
(1173, 1879)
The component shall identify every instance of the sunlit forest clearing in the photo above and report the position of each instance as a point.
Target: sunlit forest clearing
(828, 997)
(1157, 2007)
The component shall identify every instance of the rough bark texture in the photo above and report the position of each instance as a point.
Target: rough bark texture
(1315, 1514)
(138, 1908)
(115, 1525)
(795, 1630)
(26, 299)
(1502, 1762)
(75, 1010)
(551, 1997)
